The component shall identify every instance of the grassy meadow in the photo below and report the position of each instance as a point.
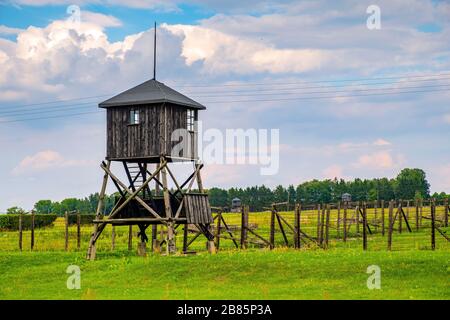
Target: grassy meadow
(251, 274)
(410, 271)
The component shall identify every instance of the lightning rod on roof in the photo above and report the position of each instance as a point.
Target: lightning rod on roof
(154, 54)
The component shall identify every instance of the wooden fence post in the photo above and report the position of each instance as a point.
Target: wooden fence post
(375, 206)
(78, 230)
(272, 228)
(66, 231)
(345, 221)
(113, 237)
(400, 222)
(433, 224)
(322, 225)
(391, 211)
(297, 237)
(20, 230)
(420, 212)
(357, 219)
(338, 222)
(446, 213)
(218, 229)
(318, 223)
(244, 226)
(382, 217)
(130, 237)
(327, 226)
(390, 227)
(417, 214)
(407, 210)
(364, 216)
(32, 229)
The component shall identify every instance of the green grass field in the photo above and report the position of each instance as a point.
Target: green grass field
(410, 271)
(252, 274)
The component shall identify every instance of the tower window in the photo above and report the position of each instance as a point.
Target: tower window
(134, 116)
(190, 119)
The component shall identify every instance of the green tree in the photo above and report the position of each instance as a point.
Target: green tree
(15, 210)
(218, 197)
(411, 182)
(43, 206)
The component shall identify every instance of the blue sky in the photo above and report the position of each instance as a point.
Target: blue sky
(229, 51)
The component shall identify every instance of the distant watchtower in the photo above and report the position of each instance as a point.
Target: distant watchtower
(140, 123)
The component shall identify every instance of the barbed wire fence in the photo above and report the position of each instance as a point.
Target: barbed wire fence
(376, 225)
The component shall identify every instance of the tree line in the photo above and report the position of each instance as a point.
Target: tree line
(409, 184)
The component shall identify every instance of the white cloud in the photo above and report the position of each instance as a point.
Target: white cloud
(45, 160)
(333, 171)
(223, 53)
(378, 160)
(9, 30)
(100, 19)
(381, 142)
(158, 5)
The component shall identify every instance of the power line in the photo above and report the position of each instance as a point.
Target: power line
(74, 106)
(317, 87)
(57, 101)
(318, 81)
(324, 97)
(251, 100)
(408, 79)
(57, 107)
(51, 117)
(90, 104)
(327, 92)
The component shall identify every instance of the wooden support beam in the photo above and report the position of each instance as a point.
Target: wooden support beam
(91, 248)
(185, 237)
(406, 219)
(130, 237)
(133, 195)
(171, 245)
(229, 232)
(280, 225)
(218, 230)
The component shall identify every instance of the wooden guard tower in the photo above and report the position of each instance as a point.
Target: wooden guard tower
(140, 122)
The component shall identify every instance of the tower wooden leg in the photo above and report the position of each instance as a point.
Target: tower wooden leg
(171, 244)
(142, 249)
(101, 201)
(211, 247)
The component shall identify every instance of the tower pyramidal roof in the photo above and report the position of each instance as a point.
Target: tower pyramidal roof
(149, 92)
